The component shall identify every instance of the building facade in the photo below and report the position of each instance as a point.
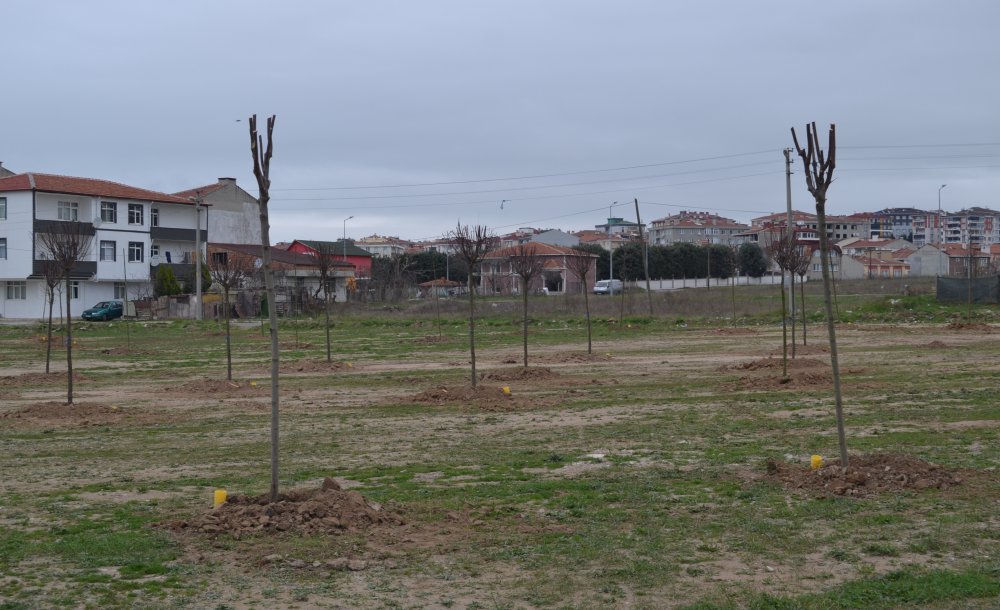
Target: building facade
(694, 228)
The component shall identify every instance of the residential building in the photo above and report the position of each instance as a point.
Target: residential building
(380, 245)
(609, 242)
(4, 172)
(895, 223)
(555, 237)
(862, 247)
(133, 230)
(837, 227)
(976, 225)
(343, 250)
(619, 226)
(498, 277)
(233, 215)
(928, 228)
(694, 228)
(928, 261)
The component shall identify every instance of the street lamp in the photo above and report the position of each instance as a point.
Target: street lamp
(939, 220)
(345, 236)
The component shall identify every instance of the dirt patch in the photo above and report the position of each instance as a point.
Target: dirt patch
(770, 364)
(937, 344)
(312, 366)
(221, 387)
(81, 414)
(735, 331)
(30, 379)
(482, 398)
(868, 475)
(430, 340)
(520, 374)
(796, 379)
(975, 326)
(327, 510)
(559, 358)
(124, 351)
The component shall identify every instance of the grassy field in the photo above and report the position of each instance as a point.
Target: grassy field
(636, 478)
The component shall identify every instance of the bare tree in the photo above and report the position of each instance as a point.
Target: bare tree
(802, 269)
(473, 244)
(782, 251)
(261, 171)
(66, 244)
(526, 262)
(52, 275)
(229, 270)
(819, 168)
(580, 266)
(325, 263)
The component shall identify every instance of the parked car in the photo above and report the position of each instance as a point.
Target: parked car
(105, 310)
(609, 287)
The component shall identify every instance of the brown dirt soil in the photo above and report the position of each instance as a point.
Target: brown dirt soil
(558, 358)
(520, 374)
(482, 398)
(430, 340)
(795, 379)
(937, 344)
(311, 366)
(27, 379)
(735, 331)
(810, 349)
(868, 475)
(799, 364)
(979, 327)
(124, 351)
(327, 510)
(215, 387)
(80, 414)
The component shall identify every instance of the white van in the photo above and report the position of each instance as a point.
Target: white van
(609, 287)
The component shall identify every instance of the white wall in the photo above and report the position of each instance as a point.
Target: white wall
(16, 228)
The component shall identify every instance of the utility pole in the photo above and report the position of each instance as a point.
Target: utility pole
(645, 257)
(197, 257)
(791, 228)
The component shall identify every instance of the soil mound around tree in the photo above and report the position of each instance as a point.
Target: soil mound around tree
(520, 374)
(30, 379)
(770, 364)
(81, 414)
(868, 475)
(326, 510)
(795, 379)
(563, 358)
(975, 326)
(221, 387)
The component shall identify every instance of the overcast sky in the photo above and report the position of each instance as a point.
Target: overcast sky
(701, 95)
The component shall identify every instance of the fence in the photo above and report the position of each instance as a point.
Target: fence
(657, 285)
(956, 289)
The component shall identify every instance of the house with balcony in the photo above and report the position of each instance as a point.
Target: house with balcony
(694, 228)
(132, 230)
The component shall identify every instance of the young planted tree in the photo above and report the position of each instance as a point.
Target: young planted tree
(229, 270)
(472, 245)
(66, 244)
(325, 262)
(780, 251)
(262, 172)
(580, 266)
(819, 168)
(52, 276)
(801, 269)
(526, 262)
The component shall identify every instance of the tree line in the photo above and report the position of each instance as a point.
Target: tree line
(680, 261)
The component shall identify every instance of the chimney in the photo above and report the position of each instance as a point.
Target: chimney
(227, 180)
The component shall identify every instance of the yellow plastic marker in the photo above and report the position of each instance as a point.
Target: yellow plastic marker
(816, 462)
(220, 498)
(505, 390)
(253, 384)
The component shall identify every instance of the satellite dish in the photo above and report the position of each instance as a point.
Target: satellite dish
(155, 260)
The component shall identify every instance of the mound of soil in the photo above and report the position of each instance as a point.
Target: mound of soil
(797, 379)
(978, 327)
(799, 364)
(868, 475)
(520, 374)
(327, 510)
(216, 387)
(56, 413)
(482, 398)
(563, 358)
(937, 344)
(28, 379)
(735, 331)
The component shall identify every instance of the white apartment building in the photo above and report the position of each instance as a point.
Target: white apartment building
(694, 228)
(134, 230)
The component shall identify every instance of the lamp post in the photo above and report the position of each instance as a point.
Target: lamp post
(611, 245)
(345, 236)
(940, 221)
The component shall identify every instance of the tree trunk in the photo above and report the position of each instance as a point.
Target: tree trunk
(472, 328)
(229, 344)
(784, 330)
(586, 307)
(734, 299)
(802, 301)
(824, 251)
(524, 283)
(791, 306)
(69, 344)
(48, 338)
(326, 316)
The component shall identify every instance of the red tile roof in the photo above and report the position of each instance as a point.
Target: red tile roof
(50, 183)
(538, 248)
(200, 190)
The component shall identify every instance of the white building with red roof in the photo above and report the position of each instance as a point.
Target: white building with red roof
(498, 277)
(694, 228)
(133, 230)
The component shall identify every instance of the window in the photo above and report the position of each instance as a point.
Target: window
(120, 290)
(135, 213)
(107, 250)
(109, 211)
(3, 208)
(3, 247)
(154, 217)
(135, 251)
(154, 250)
(69, 210)
(74, 289)
(220, 258)
(17, 291)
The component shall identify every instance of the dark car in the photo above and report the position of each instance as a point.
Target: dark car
(105, 310)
